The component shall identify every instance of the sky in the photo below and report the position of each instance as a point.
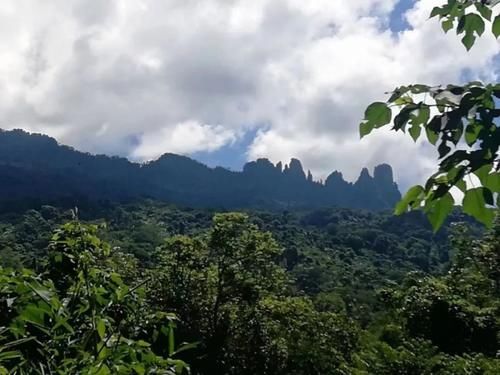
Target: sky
(227, 81)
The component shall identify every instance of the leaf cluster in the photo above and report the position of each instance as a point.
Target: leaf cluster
(460, 121)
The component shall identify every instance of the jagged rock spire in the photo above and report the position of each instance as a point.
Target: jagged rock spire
(309, 176)
(383, 173)
(295, 169)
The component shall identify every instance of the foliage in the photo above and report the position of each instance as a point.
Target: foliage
(448, 324)
(434, 311)
(337, 255)
(232, 294)
(77, 316)
(263, 292)
(454, 318)
(461, 121)
(298, 339)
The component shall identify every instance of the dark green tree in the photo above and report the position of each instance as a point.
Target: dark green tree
(231, 293)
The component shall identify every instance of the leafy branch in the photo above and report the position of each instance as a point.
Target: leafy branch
(460, 121)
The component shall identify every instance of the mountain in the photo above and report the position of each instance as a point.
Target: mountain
(36, 169)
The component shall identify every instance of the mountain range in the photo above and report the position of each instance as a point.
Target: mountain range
(37, 169)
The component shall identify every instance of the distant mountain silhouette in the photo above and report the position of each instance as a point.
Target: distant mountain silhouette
(35, 168)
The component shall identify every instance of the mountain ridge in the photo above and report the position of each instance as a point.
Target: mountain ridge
(36, 166)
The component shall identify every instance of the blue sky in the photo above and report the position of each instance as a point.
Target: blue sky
(397, 20)
(232, 156)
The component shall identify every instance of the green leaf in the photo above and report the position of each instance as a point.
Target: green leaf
(492, 182)
(422, 115)
(461, 25)
(455, 173)
(432, 136)
(116, 278)
(101, 328)
(102, 370)
(365, 128)
(496, 26)
(143, 344)
(139, 368)
(404, 100)
(171, 339)
(41, 291)
(447, 25)
(184, 347)
(5, 356)
(436, 11)
(432, 129)
(403, 117)
(471, 133)
(474, 23)
(63, 322)
(419, 88)
(474, 204)
(461, 185)
(398, 93)
(180, 367)
(483, 172)
(468, 40)
(438, 209)
(484, 11)
(418, 118)
(415, 131)
(378, 114)
(413, 195)
(122, 292)
(33, 314)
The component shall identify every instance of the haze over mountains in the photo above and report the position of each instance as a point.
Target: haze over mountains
(36, 168)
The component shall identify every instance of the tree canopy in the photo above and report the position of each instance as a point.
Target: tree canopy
(333, 291)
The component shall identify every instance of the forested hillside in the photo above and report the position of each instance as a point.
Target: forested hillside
(36, 170)
(315, 292)
(323, 248)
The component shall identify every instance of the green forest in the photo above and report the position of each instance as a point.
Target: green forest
(147, 288)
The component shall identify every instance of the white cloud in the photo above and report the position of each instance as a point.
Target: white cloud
(143, 77)
(184, 138)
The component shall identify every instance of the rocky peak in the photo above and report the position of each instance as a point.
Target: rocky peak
(364, 177)
(295, 170)
(383, 174)
(335, 178)
(258, 165)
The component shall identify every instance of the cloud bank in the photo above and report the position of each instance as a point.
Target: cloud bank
(142, 77)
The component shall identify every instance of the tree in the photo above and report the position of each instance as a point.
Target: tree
(444, 325)
(79, 316)
(231, 293)
(488, 253)
(435, 311)
(461, 121)
(299, 340)
(215, 283)
(458, 312)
